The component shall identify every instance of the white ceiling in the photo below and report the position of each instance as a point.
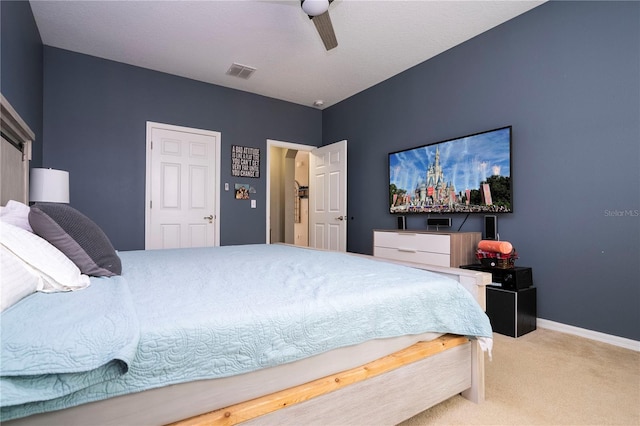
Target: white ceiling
(201, 39)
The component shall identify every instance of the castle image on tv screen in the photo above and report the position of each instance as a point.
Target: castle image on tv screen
(471, 174)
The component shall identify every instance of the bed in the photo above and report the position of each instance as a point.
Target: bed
(163, 326)
(262, 334)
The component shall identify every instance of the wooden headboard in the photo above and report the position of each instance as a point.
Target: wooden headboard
(15, 155)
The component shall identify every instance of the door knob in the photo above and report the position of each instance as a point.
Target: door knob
(209, 218)
(340, 218)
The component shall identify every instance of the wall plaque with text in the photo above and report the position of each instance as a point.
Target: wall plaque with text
(245, 161)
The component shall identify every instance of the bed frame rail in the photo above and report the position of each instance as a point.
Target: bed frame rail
(361, 400)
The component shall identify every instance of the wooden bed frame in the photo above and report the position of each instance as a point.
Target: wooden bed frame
(14, 162)
(313, 402)
(385, 391)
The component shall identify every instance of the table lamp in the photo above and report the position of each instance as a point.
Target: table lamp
(49, 185)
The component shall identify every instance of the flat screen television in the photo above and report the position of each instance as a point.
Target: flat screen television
(469, 174)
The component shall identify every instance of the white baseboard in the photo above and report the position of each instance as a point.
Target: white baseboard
(590, 334)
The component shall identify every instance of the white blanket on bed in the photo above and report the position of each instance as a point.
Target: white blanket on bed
(207, 313)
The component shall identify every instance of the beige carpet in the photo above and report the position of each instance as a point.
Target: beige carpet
(549, 378)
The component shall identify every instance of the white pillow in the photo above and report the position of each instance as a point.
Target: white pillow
(16, 214)
(17, 280)
(55, 270)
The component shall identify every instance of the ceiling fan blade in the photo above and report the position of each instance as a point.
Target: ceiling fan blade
(325, 29)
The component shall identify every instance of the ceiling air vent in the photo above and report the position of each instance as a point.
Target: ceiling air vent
(239, 70)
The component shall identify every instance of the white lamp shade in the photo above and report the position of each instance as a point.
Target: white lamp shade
(49, 185)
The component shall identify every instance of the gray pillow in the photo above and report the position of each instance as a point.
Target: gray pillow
(77, 236)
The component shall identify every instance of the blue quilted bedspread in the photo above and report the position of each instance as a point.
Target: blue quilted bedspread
(55, 344)
(189, 314)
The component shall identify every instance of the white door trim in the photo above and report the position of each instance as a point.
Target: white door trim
(218, 144)
(278, 144)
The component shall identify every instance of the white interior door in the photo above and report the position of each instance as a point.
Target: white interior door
(328, 197)
(182, 207)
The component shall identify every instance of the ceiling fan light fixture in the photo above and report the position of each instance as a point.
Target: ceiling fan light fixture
(315, 7)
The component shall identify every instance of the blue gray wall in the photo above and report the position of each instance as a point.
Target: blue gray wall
(21, 67)
(566, 76)
(95, 127)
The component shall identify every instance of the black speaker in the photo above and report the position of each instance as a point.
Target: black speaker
(402, 222)
(491, 228)
(516, 278)
(444, 222)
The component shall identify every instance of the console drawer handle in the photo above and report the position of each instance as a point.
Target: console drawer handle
(406, 250)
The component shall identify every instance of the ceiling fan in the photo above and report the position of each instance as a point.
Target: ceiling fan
(318, 12)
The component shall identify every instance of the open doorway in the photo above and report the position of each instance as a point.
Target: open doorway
(287, 193)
